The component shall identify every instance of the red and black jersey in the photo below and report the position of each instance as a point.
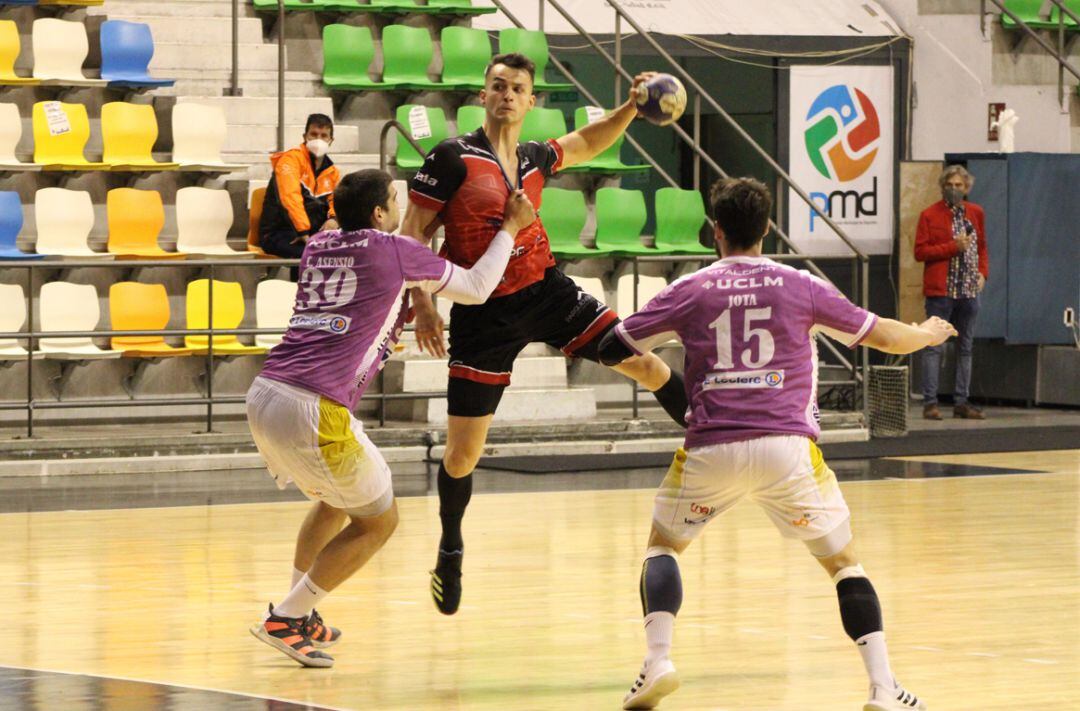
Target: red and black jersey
(463, 180)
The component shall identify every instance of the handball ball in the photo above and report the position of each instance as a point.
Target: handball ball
(663, 99)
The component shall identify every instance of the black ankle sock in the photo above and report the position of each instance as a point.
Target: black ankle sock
(661, 585)
(860, 610)
(672, 397)
(454, 495)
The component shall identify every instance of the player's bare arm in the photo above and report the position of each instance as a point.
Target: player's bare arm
(892, 336)
(592, 140)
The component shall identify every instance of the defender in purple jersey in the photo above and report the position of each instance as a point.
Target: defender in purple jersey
(748, 326)
(351, 302)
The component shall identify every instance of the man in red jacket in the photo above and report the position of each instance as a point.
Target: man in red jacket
(951, 241)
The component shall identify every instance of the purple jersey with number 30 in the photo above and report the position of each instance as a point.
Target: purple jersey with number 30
(751, 361)
(350, 308)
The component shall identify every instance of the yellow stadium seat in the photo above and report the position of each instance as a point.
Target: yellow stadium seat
(136, 218)
(10, 46)
(228, 313)
(73, 3)
(141, 307)
(60, 48)
(129, 132)
(60, 135)
(258, 196)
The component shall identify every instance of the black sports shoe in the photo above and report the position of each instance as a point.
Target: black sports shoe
(446, 582)
(286, 634)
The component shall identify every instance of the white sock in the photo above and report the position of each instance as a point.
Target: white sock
(876, 658)
(299, 602)
(296, 575)
(659, 629)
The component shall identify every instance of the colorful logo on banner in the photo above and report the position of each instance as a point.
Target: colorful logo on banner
(842, 133)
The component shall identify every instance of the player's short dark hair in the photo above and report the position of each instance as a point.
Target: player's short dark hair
(357, 196)
(741, 208)
(319, 121)
(514, 60)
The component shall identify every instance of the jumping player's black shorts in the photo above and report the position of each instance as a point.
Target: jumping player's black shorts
(486, 338)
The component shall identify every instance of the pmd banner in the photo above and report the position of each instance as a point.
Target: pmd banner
(841, 148)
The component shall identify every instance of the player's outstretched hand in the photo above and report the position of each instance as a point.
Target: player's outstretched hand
(429, 328)
(519, 212)
(635, 87)
(939, 329)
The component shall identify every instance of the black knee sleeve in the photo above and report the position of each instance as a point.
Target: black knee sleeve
(860, 610)
(661, 585)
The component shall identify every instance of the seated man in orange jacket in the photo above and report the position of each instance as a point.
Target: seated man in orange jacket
(300, 197)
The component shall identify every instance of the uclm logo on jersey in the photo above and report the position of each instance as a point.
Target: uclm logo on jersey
(842, 138)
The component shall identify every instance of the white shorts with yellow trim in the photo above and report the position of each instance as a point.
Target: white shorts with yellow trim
(318, 445)
(785, 474)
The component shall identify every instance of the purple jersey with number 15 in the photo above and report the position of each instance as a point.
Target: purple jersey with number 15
(350, 309)
(751, 361)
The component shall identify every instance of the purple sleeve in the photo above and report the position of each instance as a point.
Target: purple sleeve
(421, 266)
(836, 316)
(657, 322)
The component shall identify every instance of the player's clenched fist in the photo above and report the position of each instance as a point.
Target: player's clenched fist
(519, 213)
(939, 329)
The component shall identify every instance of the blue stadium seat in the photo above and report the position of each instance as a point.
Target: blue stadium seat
(126, 51)
(19, 2)
(11, 222)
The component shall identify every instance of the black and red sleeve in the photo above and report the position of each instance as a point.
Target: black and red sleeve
(546, 155)
(439, 177)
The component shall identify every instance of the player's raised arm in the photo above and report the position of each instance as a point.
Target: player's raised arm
(590, 141)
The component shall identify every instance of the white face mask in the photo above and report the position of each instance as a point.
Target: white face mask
(318, 147)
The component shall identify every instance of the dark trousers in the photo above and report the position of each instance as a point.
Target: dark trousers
(961, 314)
(280, 244)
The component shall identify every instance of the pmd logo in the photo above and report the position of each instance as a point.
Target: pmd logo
(842, 133)
(338, 325)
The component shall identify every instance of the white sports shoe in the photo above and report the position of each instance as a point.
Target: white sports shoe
(894, 699)
(653, 684)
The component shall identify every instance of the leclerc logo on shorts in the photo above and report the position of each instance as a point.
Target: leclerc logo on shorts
(842, 133)
(321, 322)
(745, 379)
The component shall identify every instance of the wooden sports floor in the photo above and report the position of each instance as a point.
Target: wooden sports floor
(979, 578)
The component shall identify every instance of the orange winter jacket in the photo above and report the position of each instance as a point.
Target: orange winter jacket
(297, 197)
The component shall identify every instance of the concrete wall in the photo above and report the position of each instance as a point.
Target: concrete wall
(958, 72)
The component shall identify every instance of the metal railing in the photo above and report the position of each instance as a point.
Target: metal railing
(31, 404)
(1060, 52)
(384, 134)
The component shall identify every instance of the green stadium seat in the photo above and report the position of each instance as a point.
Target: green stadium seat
(1028, 11)
(620, 217)
(563, 214)
(458, 7)
(469, 118)
(426, 125)
(290, 5)
(608, 161)
(407, 54)
(347, 55)
(533, 44)
(466, 53)
(679, 217)
(542, 124)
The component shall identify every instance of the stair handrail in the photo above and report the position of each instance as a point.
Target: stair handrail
(395, 125)
(1057, 52)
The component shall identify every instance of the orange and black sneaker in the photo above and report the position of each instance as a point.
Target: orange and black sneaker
(322, 635)
(287, 635)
